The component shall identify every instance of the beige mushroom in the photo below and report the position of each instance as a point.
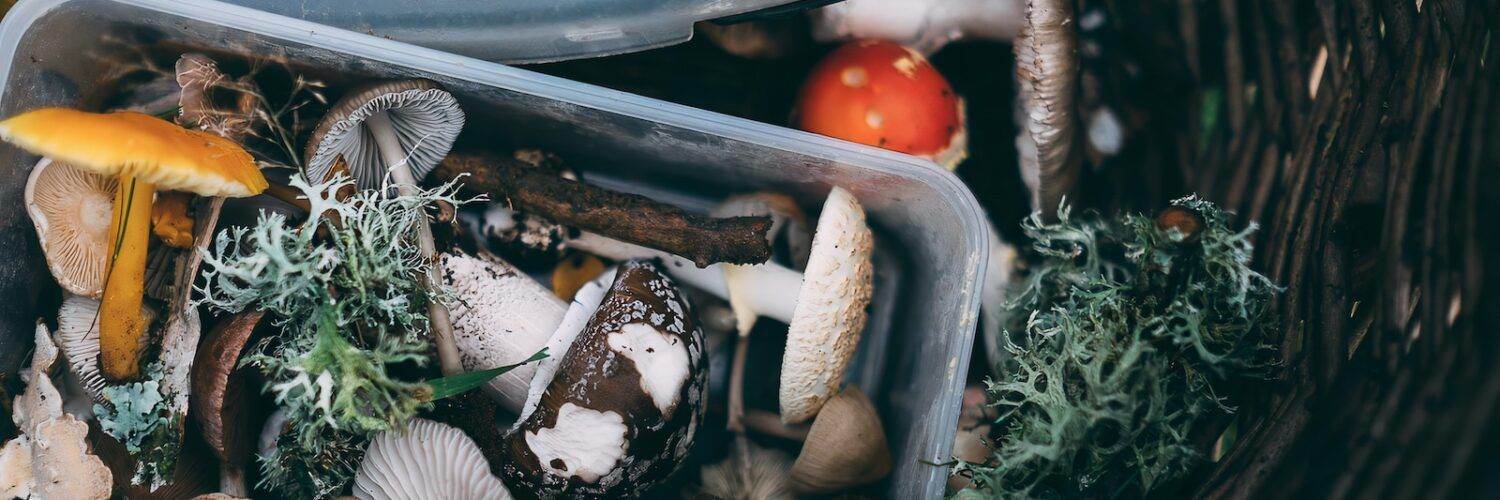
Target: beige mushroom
(427, 461)
(756, 474)
(845, 448)
(831, 308)
(71, 209)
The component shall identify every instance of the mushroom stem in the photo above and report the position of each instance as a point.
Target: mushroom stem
(120, 323)
(437, 314)
(769, 289)
(232, 480)
(736, 420)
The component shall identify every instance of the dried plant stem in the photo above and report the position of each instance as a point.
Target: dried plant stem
(627, 217)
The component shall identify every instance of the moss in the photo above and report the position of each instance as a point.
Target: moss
(1122, 338)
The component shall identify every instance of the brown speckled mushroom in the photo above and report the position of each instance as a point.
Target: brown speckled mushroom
(831, 308)
(501, 318)
(620, 411)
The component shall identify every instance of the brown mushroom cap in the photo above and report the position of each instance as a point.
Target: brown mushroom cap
(622, 408)
(846, 446)
(219, 399)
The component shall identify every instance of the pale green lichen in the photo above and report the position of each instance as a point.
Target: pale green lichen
(138, 417)
(1121, 340)
(349, 304)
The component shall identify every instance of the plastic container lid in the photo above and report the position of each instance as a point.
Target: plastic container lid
(524, 31)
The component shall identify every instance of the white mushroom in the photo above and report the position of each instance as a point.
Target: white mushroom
(925, 25)
(78, 335)
(831, 308)
(51, 458)
(401, 128)
(621, 408)
(789, 231)
(428, 460)
(71, 210)
(501, 317)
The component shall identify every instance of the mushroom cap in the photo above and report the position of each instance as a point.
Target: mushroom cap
(148, 148)
(886, 95)
(622, 408)
(831, 308)
(846, 447)
(428, 461)
(78, 336)
(71, 211)
(501, 317)
(427, 120)
(218, 397)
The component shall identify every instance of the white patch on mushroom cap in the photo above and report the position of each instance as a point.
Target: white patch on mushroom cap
(584, 443)
(501, 317)
(831, 308)
(661, 360)
(429, 460)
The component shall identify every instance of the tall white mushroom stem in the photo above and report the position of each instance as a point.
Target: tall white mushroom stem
(769, 289)
(437, 314)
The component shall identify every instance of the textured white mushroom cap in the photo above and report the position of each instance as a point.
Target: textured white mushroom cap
(71, 211)
(78, 335)
(426, 120)
(501, 317)
(428, 461)
(831, 308)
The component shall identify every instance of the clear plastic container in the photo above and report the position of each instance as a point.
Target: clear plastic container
(519, 31)
(932, 244)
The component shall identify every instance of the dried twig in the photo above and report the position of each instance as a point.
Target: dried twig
(627, 217)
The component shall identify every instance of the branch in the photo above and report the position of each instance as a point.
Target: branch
(623, 216)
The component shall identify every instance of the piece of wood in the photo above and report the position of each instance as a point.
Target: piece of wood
(623, 216)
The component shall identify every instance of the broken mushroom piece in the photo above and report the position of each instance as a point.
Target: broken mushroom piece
(144, 153)
(621, 409)
(402, 129)
(831, 308)
(924, 25)
(427, 461)
(885, 95)
(1047, 74)
(846, 447)
(51, 458)
(78, 336)
(501, 317)
(71, 211)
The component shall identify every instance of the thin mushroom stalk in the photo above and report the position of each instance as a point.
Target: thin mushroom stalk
(130, 233)
(406, 184)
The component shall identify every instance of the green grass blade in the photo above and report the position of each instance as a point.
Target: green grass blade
(463, 382)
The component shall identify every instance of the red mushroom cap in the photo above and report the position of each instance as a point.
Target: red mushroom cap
(887, 95)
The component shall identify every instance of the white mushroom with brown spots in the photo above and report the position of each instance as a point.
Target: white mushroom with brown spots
(620, 410)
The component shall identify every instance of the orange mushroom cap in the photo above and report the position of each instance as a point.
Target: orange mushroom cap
(887, 95)
(143, 146)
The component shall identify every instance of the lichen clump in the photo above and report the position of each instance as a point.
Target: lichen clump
(350, 304)
(1123, 340)
(138, 417)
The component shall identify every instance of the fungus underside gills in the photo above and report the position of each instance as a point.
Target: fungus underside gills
(1126, 336)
